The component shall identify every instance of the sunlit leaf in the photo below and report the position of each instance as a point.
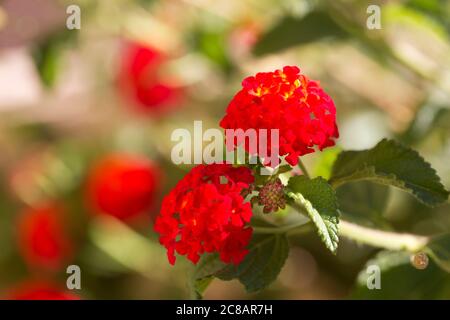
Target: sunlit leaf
(319, 201)
(391, 163)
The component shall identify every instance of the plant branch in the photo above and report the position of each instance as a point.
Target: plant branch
(303, 168)
(382, 239)
(369, 236)
(299, 228)
(375, 237)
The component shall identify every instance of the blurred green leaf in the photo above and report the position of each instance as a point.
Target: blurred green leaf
(391, 163)
(364, 203)
(431, 6)
(400, 280)
(35, 132)
(292, 31)
(203, 274)
(429, 118)
(319, 200)
(261, 266)
(127, 247)
(439, 250)
(6, 220)
(213, 45)
(47, 63)
(47, 55)
(395, 13)
(63, 171)
(439, 10)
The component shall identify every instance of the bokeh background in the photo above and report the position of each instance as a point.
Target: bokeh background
(86, 116)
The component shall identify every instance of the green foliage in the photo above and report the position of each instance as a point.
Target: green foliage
(364, 203)
(203, 274)
(34, 132)
(47, 62)
(212, 44)
(314, 26)
(439, 250)
(48, 54)
(283, 169)
(400, 280)
(117, 249)
(391, 163)
(395, 13)
(319, 200)
(438, 10)
(6, 220)
(429, 119)
(261, 266)
(63, 171)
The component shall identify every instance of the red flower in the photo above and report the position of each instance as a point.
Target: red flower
(286, 100)
(122, 185)
(40, 291)
(42, 237)
(206, 212)
(140, 78)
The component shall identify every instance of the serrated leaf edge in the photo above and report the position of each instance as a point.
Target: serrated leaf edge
(330, 239)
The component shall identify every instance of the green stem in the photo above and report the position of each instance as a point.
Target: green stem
(298, 228)
(303, 168)
(373, 237)
(382, 239)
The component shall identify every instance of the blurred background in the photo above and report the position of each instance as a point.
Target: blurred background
(86, 117)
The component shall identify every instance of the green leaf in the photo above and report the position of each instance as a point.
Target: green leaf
(391, 163)
(203, 274)
(400, 280)
(319, 200)
(261, 266)
(47, 55)
(418, 17)
(432, 8)
(283, 169)
(47, 60)
(212, 44)
(364, 203)
(312, 27)
(429, 118)
(439, 250)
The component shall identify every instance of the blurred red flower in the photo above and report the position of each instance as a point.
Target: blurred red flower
(42, 237)
(40, 290)
(122, 185)
(140, 78)
(286, 100)
(206, 212)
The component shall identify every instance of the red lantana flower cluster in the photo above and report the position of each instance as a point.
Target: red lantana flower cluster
(122, 185)
(140, 78)
(286, 100)
(206, 212)
(42, 237)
